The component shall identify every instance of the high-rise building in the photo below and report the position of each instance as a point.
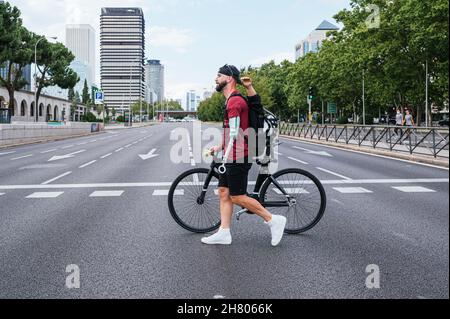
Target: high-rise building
(80, 40)
(122, 46)
(154, 80)
(314, 40)
(26, 75)
(192, 101)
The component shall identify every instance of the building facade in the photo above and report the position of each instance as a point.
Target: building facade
(192, 101)
(122, 45)
(154, 81)
(314, 40)
(80, 40)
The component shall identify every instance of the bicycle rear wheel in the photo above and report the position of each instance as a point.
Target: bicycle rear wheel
(308, 194)
(188, 207)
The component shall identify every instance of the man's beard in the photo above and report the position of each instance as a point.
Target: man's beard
(221, 86)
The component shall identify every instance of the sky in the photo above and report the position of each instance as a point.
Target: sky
(193, 38)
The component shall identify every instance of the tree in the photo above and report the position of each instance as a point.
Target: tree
(71, 94)
(15, 50)
(53, 61)
(85, 95)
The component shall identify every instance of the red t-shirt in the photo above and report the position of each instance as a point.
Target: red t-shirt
(236, 107)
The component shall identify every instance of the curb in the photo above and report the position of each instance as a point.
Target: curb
(50, 140)
(409, 157)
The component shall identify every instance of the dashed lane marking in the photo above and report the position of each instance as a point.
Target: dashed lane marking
(45, 195)
(333, 173)
(352, 190)
(56, 178)
(414, 189)
(87, 164)
(106, 194)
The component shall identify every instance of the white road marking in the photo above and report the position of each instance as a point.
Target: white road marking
(16, 158)
(5, 153)
(364, 153)
(120, 149)
(1, 194)
(168, 184)
(105, 156)
(68, 146)
(148, 155)
(48, 151)
(87, 164)
(82, 143)
(191, 155)
(45, 195)
(165, 192)
(279, 154)
(414, 189)
(56, 178)
(333, 173)
(291, 191)
(323, 153)
(55, 158)
(297, 160)
(106, 194)
(127, 146)
(352, 190)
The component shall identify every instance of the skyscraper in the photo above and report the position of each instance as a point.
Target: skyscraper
(314, 40)
(80, 40)
(122, 45)
(154, 78)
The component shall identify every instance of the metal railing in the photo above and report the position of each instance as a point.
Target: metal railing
(418, 140)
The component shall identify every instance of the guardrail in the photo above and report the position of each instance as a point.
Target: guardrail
(418, 140)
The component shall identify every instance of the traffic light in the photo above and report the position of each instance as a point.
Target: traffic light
(311, 93)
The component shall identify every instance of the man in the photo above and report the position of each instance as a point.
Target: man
(398, 122)
(233, 183)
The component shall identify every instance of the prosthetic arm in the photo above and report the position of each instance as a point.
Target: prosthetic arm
(234, 123)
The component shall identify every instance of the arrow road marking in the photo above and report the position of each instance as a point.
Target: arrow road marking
(149, 155)
(56, 158)
(323, 153)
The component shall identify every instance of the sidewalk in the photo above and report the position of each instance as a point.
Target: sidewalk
(427, 159)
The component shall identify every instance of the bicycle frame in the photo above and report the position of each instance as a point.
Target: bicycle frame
(262, 177)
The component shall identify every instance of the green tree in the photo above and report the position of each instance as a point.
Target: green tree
(53, 60)
(15, 50)
(85, 95)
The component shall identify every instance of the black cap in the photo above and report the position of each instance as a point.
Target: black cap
(231, 70)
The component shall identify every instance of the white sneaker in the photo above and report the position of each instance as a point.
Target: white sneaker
(222, 237)
(277, 224)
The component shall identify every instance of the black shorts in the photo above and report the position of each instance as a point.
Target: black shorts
(235, 178)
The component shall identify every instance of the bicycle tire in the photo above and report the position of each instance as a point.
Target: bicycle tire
(301, 196)
(176, 211)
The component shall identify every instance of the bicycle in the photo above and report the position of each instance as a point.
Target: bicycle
(195, 207)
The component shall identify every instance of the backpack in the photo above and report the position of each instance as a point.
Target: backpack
(260, 121)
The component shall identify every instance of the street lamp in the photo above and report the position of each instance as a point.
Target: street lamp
(140, 95)
(35, 75)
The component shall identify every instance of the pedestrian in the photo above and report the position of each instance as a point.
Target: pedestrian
(398, 122)
(408, 122)
(234, 149)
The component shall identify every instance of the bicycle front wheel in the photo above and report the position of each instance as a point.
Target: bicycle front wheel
(308, 199)
(193, 208)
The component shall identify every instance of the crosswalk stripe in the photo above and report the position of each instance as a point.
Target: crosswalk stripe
(45, 195)
(414, 189)
(106, 194)
(1, 194)
(165, 192)
(352, 190)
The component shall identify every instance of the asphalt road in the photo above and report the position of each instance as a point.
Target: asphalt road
(99, 202)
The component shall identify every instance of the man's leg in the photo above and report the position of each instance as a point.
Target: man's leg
(226, 207)
(223, 235)
(252, 205)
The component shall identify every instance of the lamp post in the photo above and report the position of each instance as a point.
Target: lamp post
(140, 97)
(35, 76)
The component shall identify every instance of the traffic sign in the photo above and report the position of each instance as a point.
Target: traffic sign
(98, 96)
(331, 108)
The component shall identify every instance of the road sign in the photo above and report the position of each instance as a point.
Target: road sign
(331, 108)
(98, 97)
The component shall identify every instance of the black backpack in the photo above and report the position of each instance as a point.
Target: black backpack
(262, 122)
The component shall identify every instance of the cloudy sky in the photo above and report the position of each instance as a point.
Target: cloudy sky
(193, 38)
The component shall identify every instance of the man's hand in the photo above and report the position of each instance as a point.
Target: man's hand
(215, 149)
(246, 82)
